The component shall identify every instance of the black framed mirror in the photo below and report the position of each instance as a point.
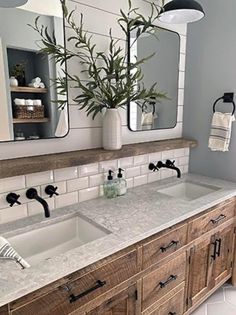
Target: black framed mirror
(31, 106)
(163, 69)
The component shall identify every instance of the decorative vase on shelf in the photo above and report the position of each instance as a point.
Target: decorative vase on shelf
(112, 131)
(13, 81)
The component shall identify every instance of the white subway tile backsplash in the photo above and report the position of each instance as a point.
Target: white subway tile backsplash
(36, 208)
(96, 180)
(89, 193)
(12, 183)
(66, 200)
(181, 97)
(126, 162)
(77, 184)
(65, 173)
(179, 153)
(108, 165)
(140, 180)
(140, 159)
(14, 213)
(133, 171)
(90, 169)
(154, 176)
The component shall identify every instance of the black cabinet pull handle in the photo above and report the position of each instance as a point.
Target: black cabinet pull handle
(172, 313)
(218, 251)
(170, 279)
(99, 284)
(217, 220)
(215, 249)
(172, 243)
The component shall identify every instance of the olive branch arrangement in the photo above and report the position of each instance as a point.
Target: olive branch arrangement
(111, 81)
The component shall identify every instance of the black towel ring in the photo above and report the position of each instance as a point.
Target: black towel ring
(227, 98)
(146, 104)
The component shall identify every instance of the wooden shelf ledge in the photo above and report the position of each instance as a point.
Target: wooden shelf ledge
(34, 164)
(30, 121)
(26, 89)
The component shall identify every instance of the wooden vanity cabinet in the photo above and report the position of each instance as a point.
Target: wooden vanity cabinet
(211, 262)
(169, 273)
(123, 303)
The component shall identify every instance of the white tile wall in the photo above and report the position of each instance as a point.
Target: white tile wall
(77, 184)
(99, 16)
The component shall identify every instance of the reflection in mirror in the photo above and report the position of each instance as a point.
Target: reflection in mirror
(162, 68)
(32, 106)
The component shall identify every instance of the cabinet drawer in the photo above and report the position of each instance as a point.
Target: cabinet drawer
(163, 246)
(4, 310)
(83, 289)
(218, 215)
(159, 282)
(174, 305)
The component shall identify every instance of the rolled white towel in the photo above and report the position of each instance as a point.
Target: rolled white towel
(36, 80)
(42, 85)
(8, 252)
(34, 85)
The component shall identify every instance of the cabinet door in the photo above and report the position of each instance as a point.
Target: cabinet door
(124, 303)
(224, 254)
(4, 310)
(201, 270)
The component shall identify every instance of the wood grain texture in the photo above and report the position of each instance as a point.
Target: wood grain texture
(41, 163)
(123, 303)
(163, 246)
(4, 310)
(204, 223)
(152, 290)
(57, 302)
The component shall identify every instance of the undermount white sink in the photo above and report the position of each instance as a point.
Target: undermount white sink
(46, 242)
(188, 191)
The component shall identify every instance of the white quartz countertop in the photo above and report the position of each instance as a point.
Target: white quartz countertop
(142, 212)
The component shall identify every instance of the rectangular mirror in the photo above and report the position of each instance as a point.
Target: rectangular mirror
(163, 69)
(32, 106)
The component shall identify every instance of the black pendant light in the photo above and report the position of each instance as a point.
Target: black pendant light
(181, 12)
(12, 3)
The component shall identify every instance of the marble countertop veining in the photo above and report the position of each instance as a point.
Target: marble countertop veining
(142, 212)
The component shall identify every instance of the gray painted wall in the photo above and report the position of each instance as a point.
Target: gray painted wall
(210, 71)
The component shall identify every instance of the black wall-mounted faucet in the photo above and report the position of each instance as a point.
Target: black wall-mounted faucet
(33, 194)
(169, 164)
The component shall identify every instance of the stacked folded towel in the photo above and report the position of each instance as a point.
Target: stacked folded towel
(221, 131)
(8, 252)
(37, 83)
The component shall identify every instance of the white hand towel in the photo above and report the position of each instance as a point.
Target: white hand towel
(36, 80)
(148, 120)
(62, 126)
(221, 128)
(8, 252)
(42, 85)
(34, 85)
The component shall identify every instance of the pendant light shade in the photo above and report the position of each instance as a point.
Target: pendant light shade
(181, 12)
(12, 3)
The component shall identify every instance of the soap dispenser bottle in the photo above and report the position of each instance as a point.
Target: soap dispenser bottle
(121, 183)
(110, 186)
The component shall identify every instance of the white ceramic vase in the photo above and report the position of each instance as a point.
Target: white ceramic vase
(13, 81)
(112, 132)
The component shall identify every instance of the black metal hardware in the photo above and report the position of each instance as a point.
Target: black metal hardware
(33, 194)
(153, 167)
(169, 280)
(12, 198)
(170, 165)
(215, 249)
(218, 251)
(99, 284)
(227, 98)
(146, 104)
(217, 220)
(172, 243)
(51, 190)
(172, 313)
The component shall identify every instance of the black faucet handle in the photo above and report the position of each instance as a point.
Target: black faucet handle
(170, 163)
(12, 198)
(153, 167)
(51, 190)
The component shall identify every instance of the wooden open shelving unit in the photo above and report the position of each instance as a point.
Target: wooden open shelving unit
(30, 121)
(26, 89)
